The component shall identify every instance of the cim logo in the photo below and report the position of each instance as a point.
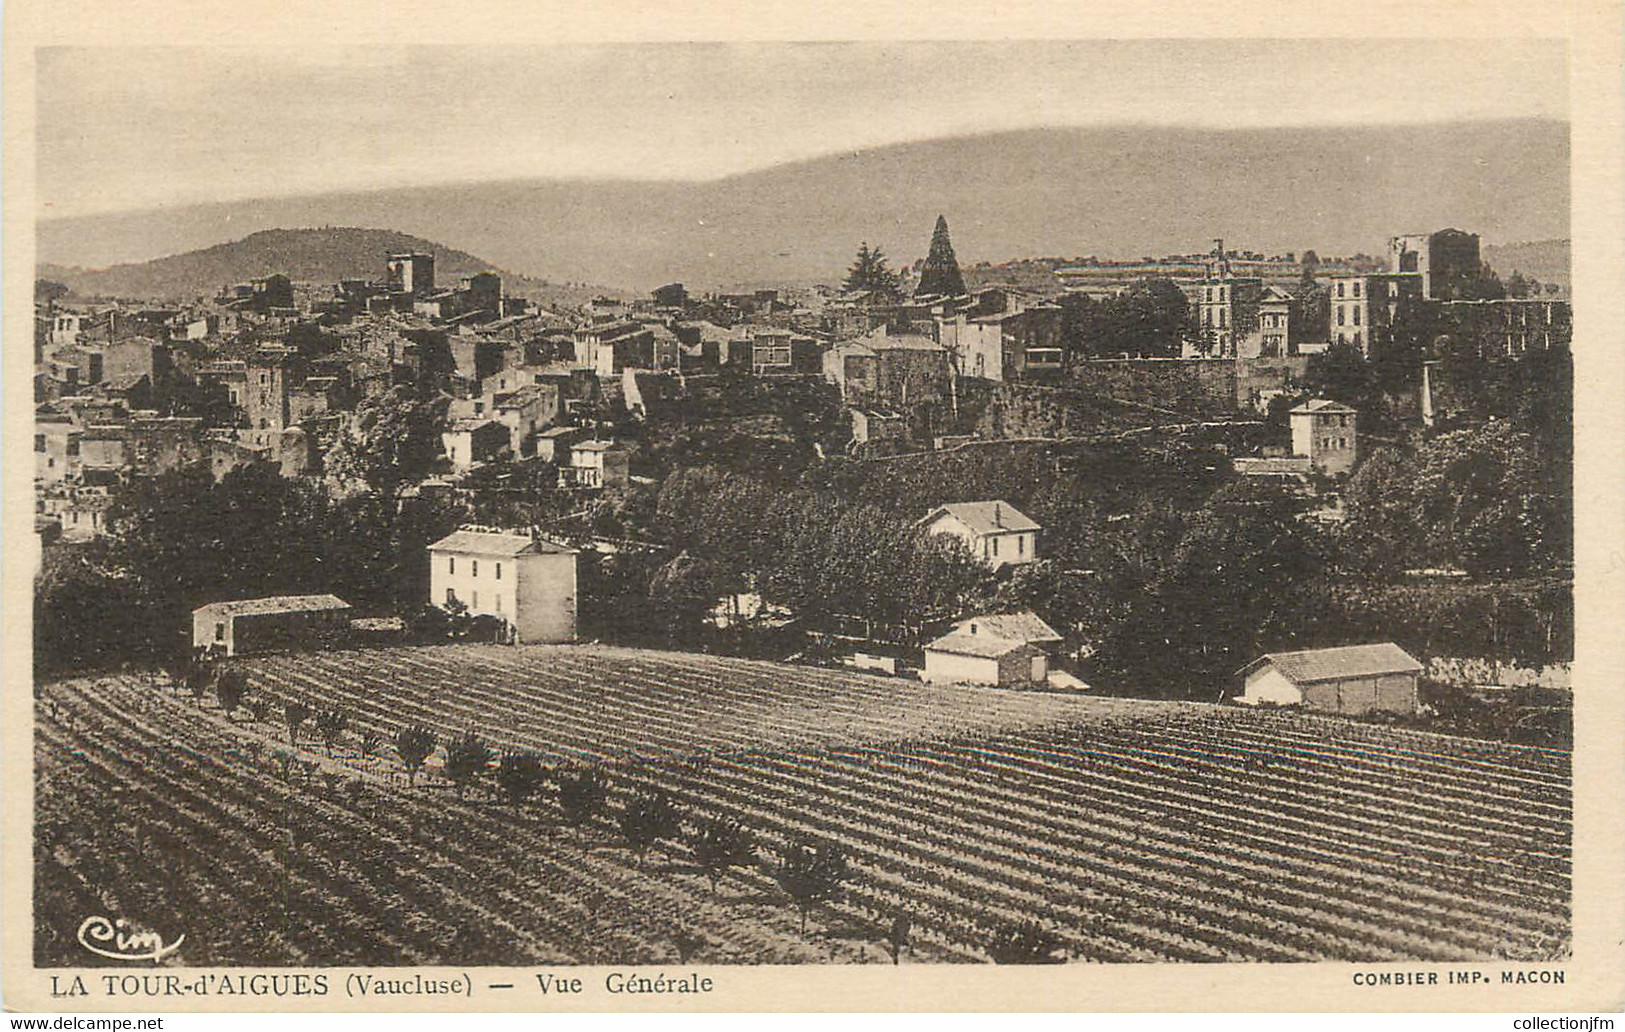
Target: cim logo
(117, 940)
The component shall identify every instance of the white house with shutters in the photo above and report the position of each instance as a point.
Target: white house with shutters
(996, 532)
(528, 582)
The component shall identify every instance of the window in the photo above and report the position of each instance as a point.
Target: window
(1021, 546)
(499, 571)
(219, 632)
(1340, 315)
(1356, 288)
(995, 546)
(973, 628)
(451, 564)
(451, 595)
(39, 442)
(475, 564)
(1356, 338)
(1356, 315)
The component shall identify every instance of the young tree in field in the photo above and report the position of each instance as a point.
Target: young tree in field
(1025, 943)
(370, 740)
(897, 936)
(230, 687)
(199, 675)
(414, 744)
(295, 713)
(719, 844)
(686, 943)
(520, 776)
(811, 875)
(465, 759)
(648, 818)
(582, 793)
(330, 725)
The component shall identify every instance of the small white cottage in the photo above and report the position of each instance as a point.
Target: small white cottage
(979, 659)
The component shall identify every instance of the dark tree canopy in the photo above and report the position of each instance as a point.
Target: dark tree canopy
(941, 275)
(870, 271)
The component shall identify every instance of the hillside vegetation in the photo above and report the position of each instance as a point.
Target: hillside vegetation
(319, 256)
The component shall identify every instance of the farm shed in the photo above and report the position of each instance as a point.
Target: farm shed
(282, 622)
(1353, 679)
(977, 659)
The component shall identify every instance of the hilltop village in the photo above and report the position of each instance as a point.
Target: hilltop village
(1135, 477)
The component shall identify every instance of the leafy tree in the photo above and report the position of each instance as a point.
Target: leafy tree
(1482, 497)
(85, 608)
(520, 776)
(47, 291)
(413, 745)
(648, 818)
(1025, 943)
(720, 844)
(811, 875)
(393, 440)
(465, 760)
(583, 791)
(295, 713)
(230, 688)
(1246, 576)
(330, 725)
(1341, 373)
(871, 271)
(1150, 318)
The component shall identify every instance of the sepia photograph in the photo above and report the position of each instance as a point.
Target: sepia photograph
(676, 505)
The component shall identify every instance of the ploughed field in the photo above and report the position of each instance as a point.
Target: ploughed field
(1127, 830)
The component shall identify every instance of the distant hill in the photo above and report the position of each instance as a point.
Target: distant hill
(1123, 191)
(1544, 260)
(318, 256)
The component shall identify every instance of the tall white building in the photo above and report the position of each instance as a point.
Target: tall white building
(528, 582)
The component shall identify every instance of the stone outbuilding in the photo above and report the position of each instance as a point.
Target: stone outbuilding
(1352, 679)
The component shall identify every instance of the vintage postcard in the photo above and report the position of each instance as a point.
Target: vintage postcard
(723, 508)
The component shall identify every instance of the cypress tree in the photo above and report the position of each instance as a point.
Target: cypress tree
(941, 273)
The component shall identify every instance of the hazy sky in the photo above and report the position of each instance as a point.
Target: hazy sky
(133, 128)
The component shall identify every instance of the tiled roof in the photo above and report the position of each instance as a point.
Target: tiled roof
(1023, 626)
(483, 542)
(1322, 405)
(985, 517)
(975, 645)
(275, 604)
(1312, 665)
